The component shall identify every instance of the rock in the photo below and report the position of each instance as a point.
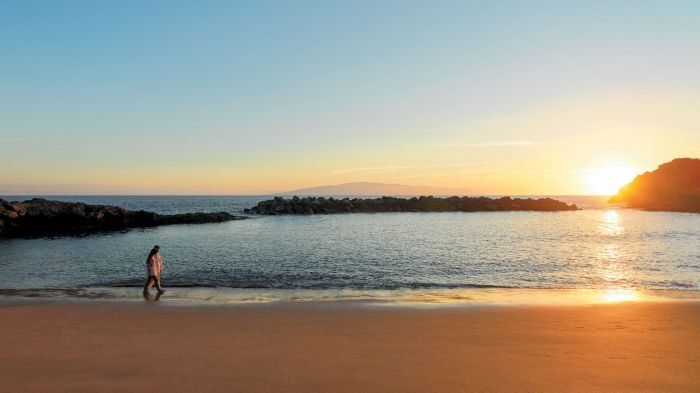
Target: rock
(41, 217)
(314, 205)
(673, 186)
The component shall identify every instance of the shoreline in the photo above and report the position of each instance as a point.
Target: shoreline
(116, 347)
(416, 298)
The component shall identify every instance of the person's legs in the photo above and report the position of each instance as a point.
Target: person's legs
(149, 284)
(158, 287)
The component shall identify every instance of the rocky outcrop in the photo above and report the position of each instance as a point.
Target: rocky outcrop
(41, 217)
(313, 205)
(673, 186)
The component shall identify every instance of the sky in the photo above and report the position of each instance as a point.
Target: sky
(228, 97)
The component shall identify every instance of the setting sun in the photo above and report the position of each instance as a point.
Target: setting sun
(607, 180)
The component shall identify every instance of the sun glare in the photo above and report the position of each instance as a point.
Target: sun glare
(619, 295)
(607, 180)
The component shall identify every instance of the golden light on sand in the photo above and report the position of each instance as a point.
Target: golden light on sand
(607, 180)
(619, 295)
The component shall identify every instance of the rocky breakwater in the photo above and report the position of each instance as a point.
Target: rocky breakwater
(41, 217)
(320, 205)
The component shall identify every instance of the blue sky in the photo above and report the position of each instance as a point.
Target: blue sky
(249, 97)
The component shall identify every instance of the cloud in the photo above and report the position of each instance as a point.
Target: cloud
(393, 169)
(368, 170)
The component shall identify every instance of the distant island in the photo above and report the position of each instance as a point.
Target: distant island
(41, 217)
(673, 186)
(373, 189)
(320, 205)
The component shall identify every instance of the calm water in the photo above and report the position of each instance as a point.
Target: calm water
(314, 257)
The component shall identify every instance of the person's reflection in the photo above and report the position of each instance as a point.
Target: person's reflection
(147, 296)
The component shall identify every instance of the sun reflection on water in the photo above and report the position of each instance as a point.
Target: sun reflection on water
(619, 295)
(520, 296)
(611, 268)
(611, 225)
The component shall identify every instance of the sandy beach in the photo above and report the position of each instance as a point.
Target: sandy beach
(624, 347)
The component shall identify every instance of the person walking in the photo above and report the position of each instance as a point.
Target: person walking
(154, 267)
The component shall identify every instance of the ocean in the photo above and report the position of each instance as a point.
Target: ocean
(424, 257)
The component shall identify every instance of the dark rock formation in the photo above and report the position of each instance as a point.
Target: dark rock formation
(313, 205)
(673, 186)
(41, 217)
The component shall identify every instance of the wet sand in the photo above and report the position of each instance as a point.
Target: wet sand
(623, 347)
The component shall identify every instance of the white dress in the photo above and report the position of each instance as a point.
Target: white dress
(154, 266)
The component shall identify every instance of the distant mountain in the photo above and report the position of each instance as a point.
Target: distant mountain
(378, 189)
(673, 186)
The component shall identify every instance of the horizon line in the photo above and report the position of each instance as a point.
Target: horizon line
(305, 195)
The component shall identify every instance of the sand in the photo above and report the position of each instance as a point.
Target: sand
(625, 347)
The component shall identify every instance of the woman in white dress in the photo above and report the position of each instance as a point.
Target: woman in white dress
(154, 266)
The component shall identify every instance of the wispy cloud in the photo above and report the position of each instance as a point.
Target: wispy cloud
(368, 170)
(489, 144)
(393, 169)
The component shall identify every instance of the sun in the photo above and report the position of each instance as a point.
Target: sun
(607, 180)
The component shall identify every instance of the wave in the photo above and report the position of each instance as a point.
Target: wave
(308, 284)
(231, 296)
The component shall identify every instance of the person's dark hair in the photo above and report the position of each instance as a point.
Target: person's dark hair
(153, 252)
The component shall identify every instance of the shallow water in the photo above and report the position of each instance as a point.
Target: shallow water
(386, 255)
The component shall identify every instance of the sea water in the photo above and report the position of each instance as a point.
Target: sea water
(431, 257)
